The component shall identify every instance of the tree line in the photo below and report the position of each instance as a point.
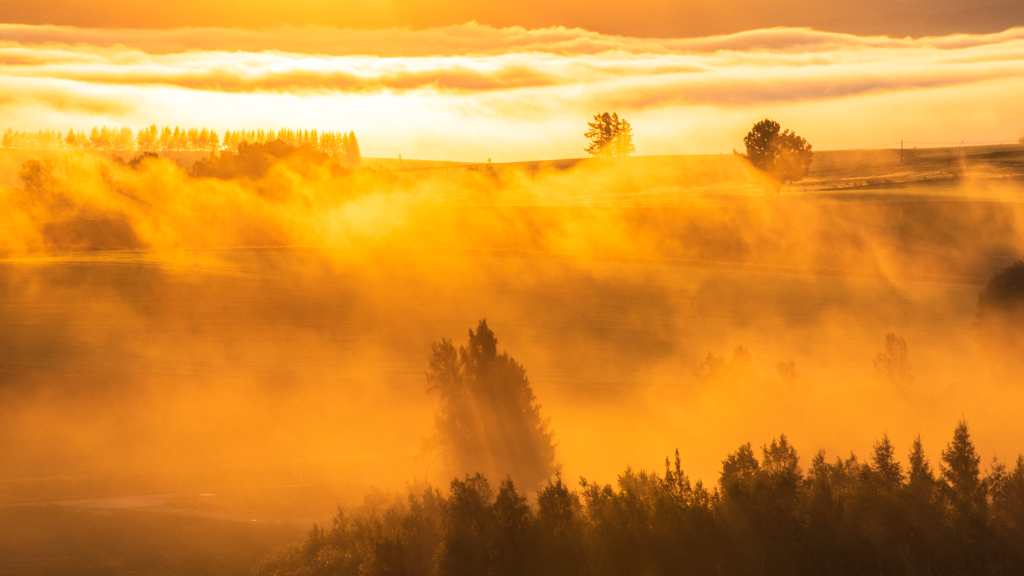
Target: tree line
(166, 139)
(764, 516)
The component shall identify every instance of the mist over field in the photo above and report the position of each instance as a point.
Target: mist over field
(327, 289)
(161, 324)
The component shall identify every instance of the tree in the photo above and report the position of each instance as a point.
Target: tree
(887, 471)
(962, 474)
(352, 155)
(610, 136)
(783, 156)
(489, 420)
(892, 365)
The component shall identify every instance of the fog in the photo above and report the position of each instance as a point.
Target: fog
(165, 332)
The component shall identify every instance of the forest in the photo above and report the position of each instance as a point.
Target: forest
(764, 516)
(165, 139)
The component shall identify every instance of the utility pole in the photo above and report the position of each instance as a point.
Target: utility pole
(901, 151)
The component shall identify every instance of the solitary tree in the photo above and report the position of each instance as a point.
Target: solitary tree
(609, 136)
(783, 156)
(489, 420)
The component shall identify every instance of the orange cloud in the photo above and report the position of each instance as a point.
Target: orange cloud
(518, 93)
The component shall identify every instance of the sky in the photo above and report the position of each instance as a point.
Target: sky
(471, 92)
(645, 18)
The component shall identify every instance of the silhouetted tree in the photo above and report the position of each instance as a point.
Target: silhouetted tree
(962, 474)
(783, 156)
(489, 419)
(609, 136)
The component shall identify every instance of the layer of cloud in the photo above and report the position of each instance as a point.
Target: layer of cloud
(471, 86)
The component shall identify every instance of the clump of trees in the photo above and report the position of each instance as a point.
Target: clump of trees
(609, 136)
(1000, 315)
(253, 161)
(780, 154)
(766, 515)
(166, 139)
(489, 419)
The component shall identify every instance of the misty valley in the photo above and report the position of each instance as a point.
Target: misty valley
(286, 358)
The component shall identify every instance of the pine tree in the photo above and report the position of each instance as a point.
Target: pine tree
(352, 155)
(886, 469)
(962, 474)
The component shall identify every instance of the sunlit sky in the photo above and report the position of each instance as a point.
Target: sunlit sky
(473, 91)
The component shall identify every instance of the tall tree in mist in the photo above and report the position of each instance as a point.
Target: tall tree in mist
(489, 420)
(781, 154)
(609, 136)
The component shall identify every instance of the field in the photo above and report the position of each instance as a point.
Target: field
(284, 371)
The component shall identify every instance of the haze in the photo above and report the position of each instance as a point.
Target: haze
(252, 342)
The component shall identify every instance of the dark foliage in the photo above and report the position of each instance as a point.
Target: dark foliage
(136, 162)
(1004, 293)
(1000, 317)
(782, 155)
(254, 160)
(765, 517)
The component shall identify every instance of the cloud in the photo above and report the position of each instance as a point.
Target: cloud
(483, 79)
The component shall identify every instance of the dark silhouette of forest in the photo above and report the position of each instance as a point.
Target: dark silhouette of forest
(765, 515)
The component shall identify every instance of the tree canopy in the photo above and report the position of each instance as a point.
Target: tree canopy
(609, 136)
(781, 154)
(766, 516)
(489, 420)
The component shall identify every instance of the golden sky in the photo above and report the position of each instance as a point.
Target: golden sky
(471, 91)
(663, 18)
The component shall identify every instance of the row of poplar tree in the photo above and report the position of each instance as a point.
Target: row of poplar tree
(765, 516)
(166, 139)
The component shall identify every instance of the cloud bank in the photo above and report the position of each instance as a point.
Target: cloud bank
(462, 91)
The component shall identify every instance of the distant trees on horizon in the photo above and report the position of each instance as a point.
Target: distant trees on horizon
(166, 139)
(780, 154)
(609, 136)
